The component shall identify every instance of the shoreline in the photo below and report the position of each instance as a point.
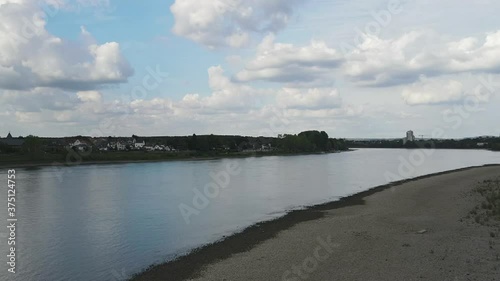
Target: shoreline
(192, 264)
(194, 158)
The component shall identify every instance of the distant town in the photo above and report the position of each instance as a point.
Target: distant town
(84, 148)
(410, 140)
(136, 143)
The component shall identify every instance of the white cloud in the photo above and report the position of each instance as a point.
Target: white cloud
(238, 40)
(226, 95)
(387, 62)
(61, 80)
(310, 99)
(278, 62)
(320, 115)
(89, 96)
(38, 100)
(436, 91)
(31, 57)
(154, 107)
(375, 62)
(232, 23)
(239, 107)
(451, 89)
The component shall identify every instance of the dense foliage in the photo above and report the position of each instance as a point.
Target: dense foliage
(492, 143)
(37, 149)
(310, 141)
(32, 147)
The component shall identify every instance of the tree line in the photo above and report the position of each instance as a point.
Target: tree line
(37, 148)
(491, 143)
(310, 141)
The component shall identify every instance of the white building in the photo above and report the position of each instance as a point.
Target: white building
(76, 143)
(410, 137)
(138, 144)
(79, 145)
(121, 146)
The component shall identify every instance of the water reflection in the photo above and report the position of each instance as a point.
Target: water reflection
(89, 222)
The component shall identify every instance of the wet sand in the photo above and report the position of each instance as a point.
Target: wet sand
(410, 230)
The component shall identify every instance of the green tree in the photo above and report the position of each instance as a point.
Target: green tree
(193, 142)
(32, 147)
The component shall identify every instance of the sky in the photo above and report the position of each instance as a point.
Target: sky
(353, 68)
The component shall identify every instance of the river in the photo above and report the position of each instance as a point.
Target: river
(107, 222)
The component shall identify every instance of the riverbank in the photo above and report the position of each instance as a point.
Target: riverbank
(163, 157)
(417, 229)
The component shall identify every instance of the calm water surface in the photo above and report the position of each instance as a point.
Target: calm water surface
(107, 222)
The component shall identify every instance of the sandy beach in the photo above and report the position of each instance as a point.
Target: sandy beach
(420, 229)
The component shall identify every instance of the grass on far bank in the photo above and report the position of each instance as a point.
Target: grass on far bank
(71, 158)
(17, 158)
(75, 158)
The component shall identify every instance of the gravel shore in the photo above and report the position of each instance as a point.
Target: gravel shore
(414, 230)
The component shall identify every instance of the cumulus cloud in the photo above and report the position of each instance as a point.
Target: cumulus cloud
(310, 99)
(154, 107)
(57, 107)
(85, 107)
(243, 104)
(232, 23)
(31, 57)
(38, 100)
(387, 62)
(448, 90)
(346, 111)
(89, 96)
(242, 108)
(278, 62)
(375, 62)
(226, 95)
(436, 91)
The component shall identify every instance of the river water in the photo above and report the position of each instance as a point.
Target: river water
(107, 222)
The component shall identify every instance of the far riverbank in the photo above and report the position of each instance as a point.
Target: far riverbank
(132, 157)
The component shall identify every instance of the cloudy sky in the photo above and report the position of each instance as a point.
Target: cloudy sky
(354, 68)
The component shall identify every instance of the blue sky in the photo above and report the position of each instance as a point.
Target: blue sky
(70, 67)
(144, 35)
